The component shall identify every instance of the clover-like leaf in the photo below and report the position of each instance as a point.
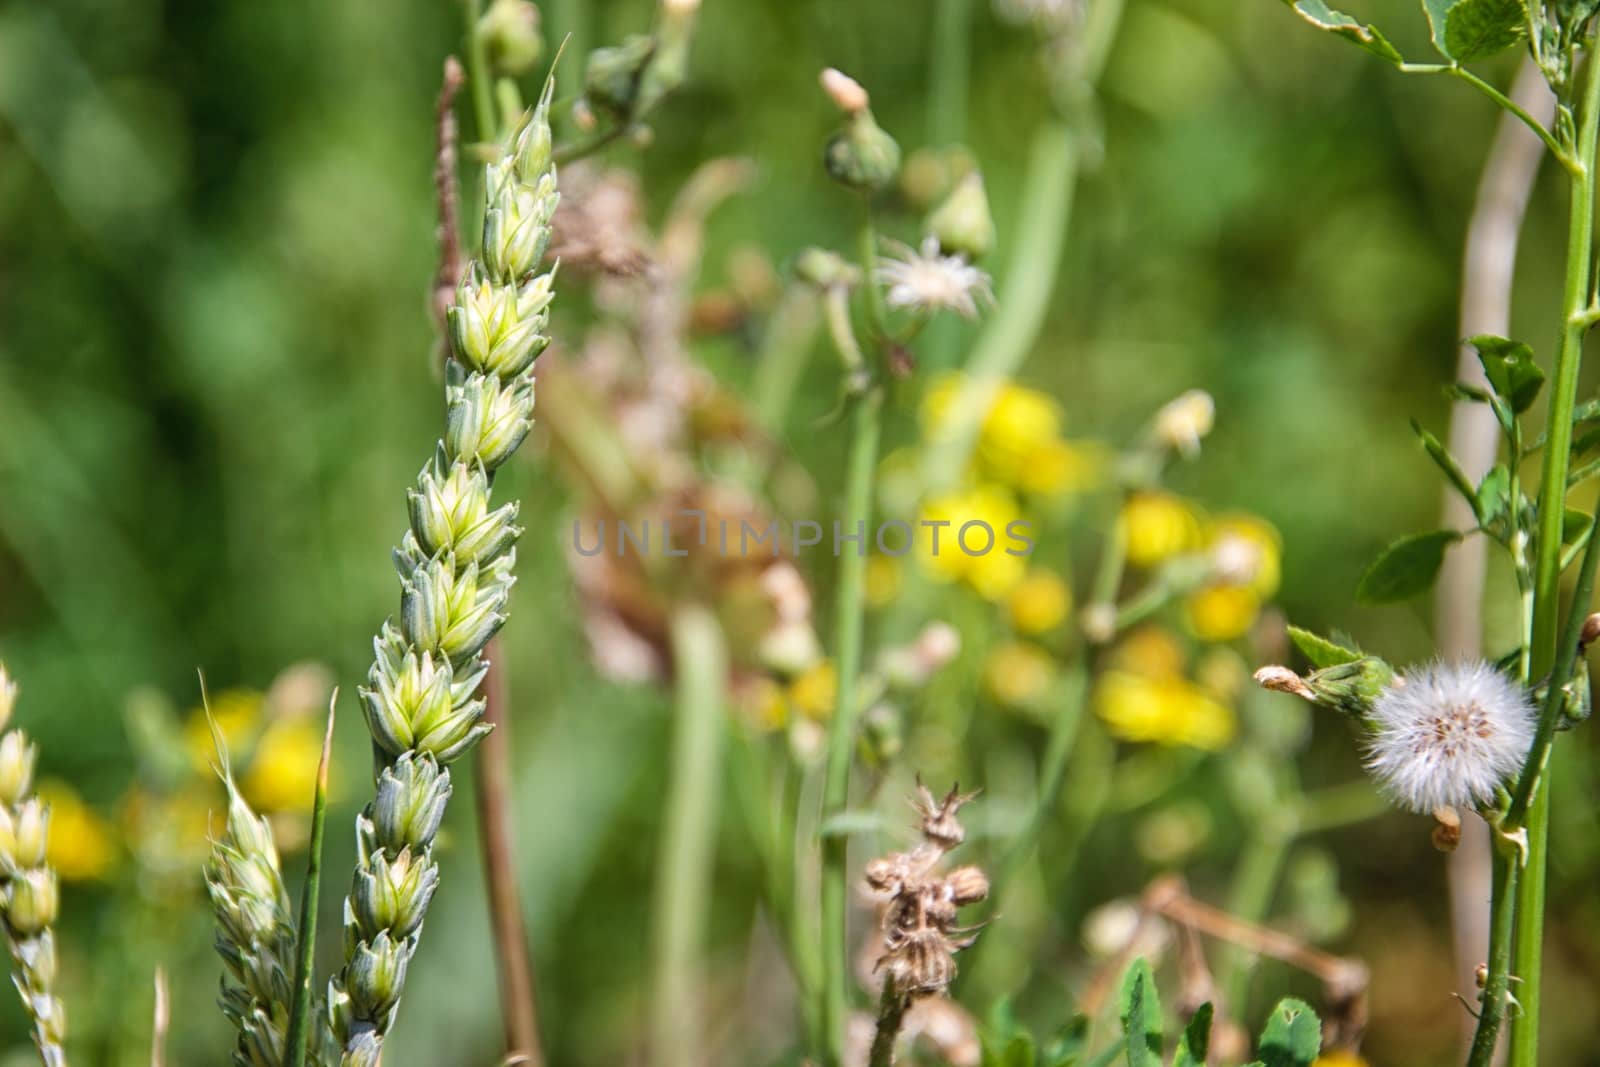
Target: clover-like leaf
(1467, 30)
(1406, 568)
(1363, 35)
(1195, 1044)
(1293, 1035)
(1141, 1016)
(1510, 368)
(1322, 652)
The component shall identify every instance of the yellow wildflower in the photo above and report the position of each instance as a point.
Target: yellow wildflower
(1021, 428)
(1064, 467)
(1158, 526)
(173, 831)
(1018, 674)
(82, 845)
(1340, 1057)
(1150, 652)
(1247, 551)
(977, 536)
(1169, 711)
(237, 713)
(883, 579)
(765, 704)
(283, 769)
(1040, 602)
(814, 692)
(1222, 612)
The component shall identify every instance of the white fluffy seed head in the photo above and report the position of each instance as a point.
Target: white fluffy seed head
(1449, 736)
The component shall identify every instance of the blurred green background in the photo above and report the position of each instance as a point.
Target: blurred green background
(216, 234)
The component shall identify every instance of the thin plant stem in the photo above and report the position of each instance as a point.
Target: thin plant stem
(491, 782)
(570, 22)
(478, 73)
(688, 841)
(1254, 881)
(298, 1037)
(1487, 276)
(160, 1020)
(891, 1014)
(1527, 808)
(950, 74)
(1502, 908)
(849, 609)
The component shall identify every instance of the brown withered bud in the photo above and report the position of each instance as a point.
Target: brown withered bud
(886, 875)
(939, 824)
(967, 885)
(1446, 829)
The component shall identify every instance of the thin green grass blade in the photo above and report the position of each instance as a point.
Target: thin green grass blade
(300, 1016)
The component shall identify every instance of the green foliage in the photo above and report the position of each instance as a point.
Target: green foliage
(1466, 30)
(1293, 1035)
(1141, 1016)
(1361, 34)
(1322, 652)
(1510, 368)
(1406, 568)
(1196, 1041)
(1446, 463)
(1005, 1044)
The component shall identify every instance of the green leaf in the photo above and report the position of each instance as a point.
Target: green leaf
(1405, 568)
(1475, 29)
(1493, 497)
(1141, 1016)
(1322, 652)
(1020, 1052)
(1338, 23)
(1574, 524)
(1463, 391)
(1293, 1036)
(1447, 463)
(1196, 1041)
(1069, 1044)
(1510, 368)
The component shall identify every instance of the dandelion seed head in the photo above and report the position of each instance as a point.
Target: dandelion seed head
(1449, 736)
(926, 281)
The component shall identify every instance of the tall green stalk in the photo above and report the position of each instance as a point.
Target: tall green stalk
(683, 886)
(849, 611)
(1530, 805)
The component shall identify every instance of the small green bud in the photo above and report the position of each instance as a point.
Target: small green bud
(16, 767)
(24, 833)
(487, 420)
(33, 900)
(962, 223)
(1351, 688)
(860, 155)
(409, 804)
(376, 973)
(669, 65)
(509, 32)
(393, 895)
(449, 613)
(825, 269)
(401, 704)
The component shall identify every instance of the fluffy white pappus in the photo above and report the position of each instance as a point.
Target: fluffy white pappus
(1449, 736)
(925, 280)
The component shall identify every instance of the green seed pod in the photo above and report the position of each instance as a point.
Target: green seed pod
(962, 223)
(375, 974)
(33, 900)
(409, 805)
(861, 155)
(825, 269)
(16, 767)
(509, 33)
(1351, 687)
(393, 894)
(488, 419)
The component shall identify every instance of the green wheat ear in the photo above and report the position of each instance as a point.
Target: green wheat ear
(455, 565)
(29, 895)
(255, 928)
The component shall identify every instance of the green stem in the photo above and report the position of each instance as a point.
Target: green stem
(298, 1037)
(1529, 808)
(891, 1013)
(571, 24)
(864, 429)
(683, 888)
(478, 74)
(1502, 912)
(952, 62)
(1251, 895)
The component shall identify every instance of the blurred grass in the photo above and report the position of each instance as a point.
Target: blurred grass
(215, 237)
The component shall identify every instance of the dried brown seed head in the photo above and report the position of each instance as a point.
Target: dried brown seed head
(967, 885)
